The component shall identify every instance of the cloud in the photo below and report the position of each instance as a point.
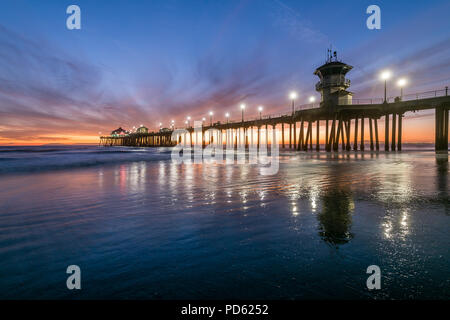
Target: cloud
(300, 28)
(45, 90)
(426, 68)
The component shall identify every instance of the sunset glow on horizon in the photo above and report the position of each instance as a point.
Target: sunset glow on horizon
(412, 133)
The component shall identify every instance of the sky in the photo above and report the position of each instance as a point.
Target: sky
(144, 62)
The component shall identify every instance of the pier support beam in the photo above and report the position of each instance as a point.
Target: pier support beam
(251, 137)
(343, 126)
(317, 135)
(371, 135)
(332, 133)
(295, 134)
(355, 140)
(446, 129)
(399, 142)
(203, 140)
(362, 134)
(258, 138)
(308, 134)
(441, 136)
(377, 142)
(394, 131)
(338, 134)
(290, 135)
(348, 146)
(246, 138)
(386, 132)
(301, 136)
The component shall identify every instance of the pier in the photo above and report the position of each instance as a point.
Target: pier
(343, 118)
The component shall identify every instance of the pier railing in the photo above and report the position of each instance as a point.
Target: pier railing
(315, 105)
(274, 115)
(407, 97)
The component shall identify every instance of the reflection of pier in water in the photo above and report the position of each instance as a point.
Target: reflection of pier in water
(335, 216)
(442, 183)
(343, 117)
(326, 189)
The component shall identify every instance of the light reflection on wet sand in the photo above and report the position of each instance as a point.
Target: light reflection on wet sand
(162, 230)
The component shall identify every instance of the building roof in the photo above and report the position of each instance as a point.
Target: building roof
(119, 131)
(335, 67)
(345, 93)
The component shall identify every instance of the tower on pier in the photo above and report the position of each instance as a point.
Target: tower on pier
(333, 85)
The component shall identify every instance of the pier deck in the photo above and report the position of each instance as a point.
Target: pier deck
(338, 121)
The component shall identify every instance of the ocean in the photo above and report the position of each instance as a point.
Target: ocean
(142, 227)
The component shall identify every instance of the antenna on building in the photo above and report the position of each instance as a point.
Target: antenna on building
(330, 54)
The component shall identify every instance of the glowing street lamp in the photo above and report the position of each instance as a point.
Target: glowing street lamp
(293, 95)
(242, 108)
(172, 123)
(260, 109)
(189, 121)
(385, 75)
(312, 99)
(210, 118)
(401, 83)
(227, 115)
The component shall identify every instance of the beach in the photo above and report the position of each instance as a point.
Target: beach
(140, 226)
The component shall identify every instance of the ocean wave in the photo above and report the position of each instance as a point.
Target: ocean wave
(68, 158)
(29, 150)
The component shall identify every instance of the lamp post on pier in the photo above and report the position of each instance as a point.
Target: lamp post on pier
(293, 95)
(242, 108)
(210, 118)
(260, 109)
(401, 83)
(385, 75)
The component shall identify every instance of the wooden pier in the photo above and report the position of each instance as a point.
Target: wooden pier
(151, 139)
(338, 112)
(339, 122)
